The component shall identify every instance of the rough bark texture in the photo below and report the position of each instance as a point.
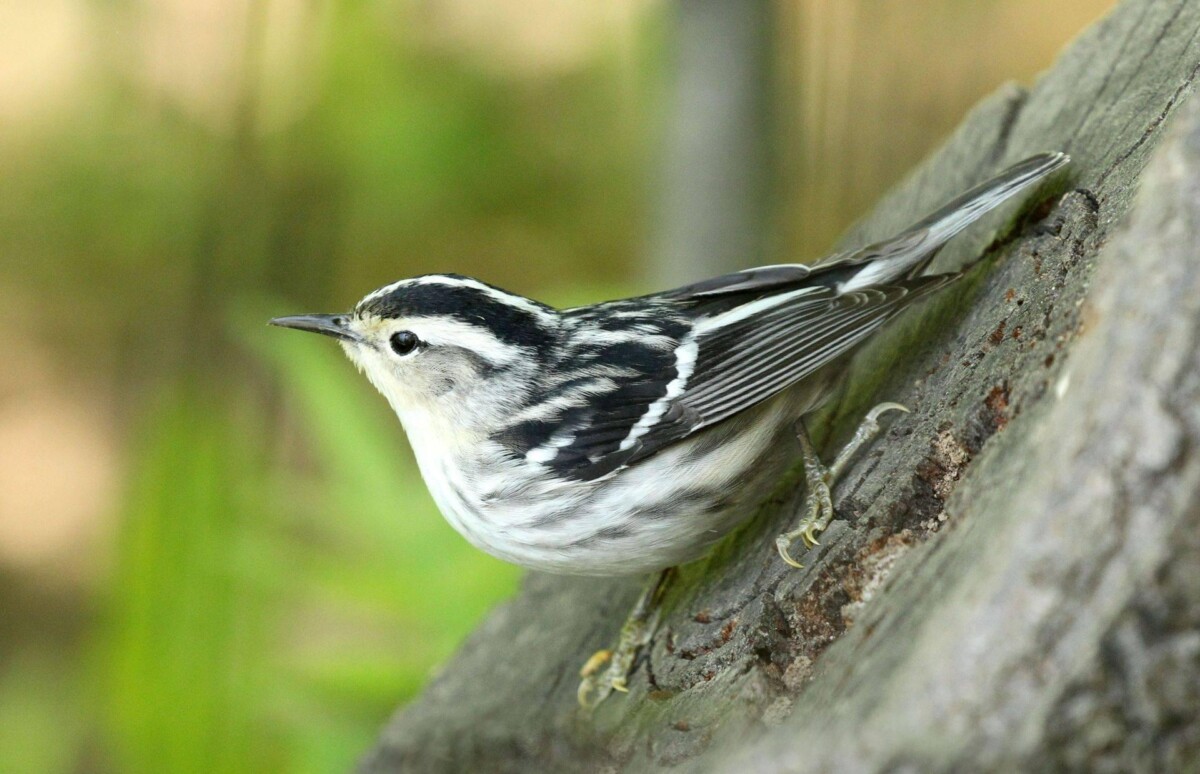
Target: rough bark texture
(1015, 581)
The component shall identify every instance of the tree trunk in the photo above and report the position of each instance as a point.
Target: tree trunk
(714, 209)
(1015, 579)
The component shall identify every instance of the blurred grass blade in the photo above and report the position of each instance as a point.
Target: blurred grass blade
(184, 649)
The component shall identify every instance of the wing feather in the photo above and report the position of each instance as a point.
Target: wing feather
(738, 340)
(794, 347)
(736, 366)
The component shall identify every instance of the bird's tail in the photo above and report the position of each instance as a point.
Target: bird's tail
(907, 253)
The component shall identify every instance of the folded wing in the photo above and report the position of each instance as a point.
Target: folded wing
(650, 371)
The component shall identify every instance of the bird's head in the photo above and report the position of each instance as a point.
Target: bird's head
(442, 347)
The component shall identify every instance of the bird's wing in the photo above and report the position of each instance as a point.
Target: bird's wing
(743, 360)
(758, 280)
(643, 381)
(888, 260)
(723, 364)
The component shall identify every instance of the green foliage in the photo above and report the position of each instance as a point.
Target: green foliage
(259, 620)
(279, 579)
(190, 611)
(40, 716)
(384, 545)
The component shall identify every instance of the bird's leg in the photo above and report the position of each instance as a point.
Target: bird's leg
(597, 681)
(818, 479)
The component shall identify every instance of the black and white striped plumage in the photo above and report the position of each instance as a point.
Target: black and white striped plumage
(630, 435)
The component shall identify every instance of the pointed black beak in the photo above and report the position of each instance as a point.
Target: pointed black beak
(335, 325)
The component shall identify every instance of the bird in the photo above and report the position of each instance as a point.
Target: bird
(627, 437)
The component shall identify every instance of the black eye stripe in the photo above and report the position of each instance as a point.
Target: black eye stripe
(473, 306)
(404, 342)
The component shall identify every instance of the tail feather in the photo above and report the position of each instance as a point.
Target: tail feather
(909, 251)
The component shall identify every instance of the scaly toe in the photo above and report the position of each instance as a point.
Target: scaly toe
(594, 662)
(592, 688)
(583, 694)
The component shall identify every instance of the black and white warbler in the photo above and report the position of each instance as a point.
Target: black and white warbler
(629, 436)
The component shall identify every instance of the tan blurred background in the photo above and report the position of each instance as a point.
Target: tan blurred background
(215, 553)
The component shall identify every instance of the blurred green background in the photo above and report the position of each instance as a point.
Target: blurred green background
(216, 554)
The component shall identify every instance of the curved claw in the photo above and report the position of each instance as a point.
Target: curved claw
(783, 544)
(818, 479)
(875, 413)
(598, 680)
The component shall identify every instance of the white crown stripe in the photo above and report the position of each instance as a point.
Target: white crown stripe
(510, 299)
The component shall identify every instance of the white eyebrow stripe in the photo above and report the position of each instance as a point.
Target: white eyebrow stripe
(450, 331)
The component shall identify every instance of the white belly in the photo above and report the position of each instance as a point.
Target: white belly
(660, 512)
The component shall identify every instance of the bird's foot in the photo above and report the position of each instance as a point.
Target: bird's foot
(818, 512)
(818, 499)
(598, 681)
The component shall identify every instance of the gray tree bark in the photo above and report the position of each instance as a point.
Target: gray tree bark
(1014, 583)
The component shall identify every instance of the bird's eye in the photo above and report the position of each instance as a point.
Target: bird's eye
(404, 342)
